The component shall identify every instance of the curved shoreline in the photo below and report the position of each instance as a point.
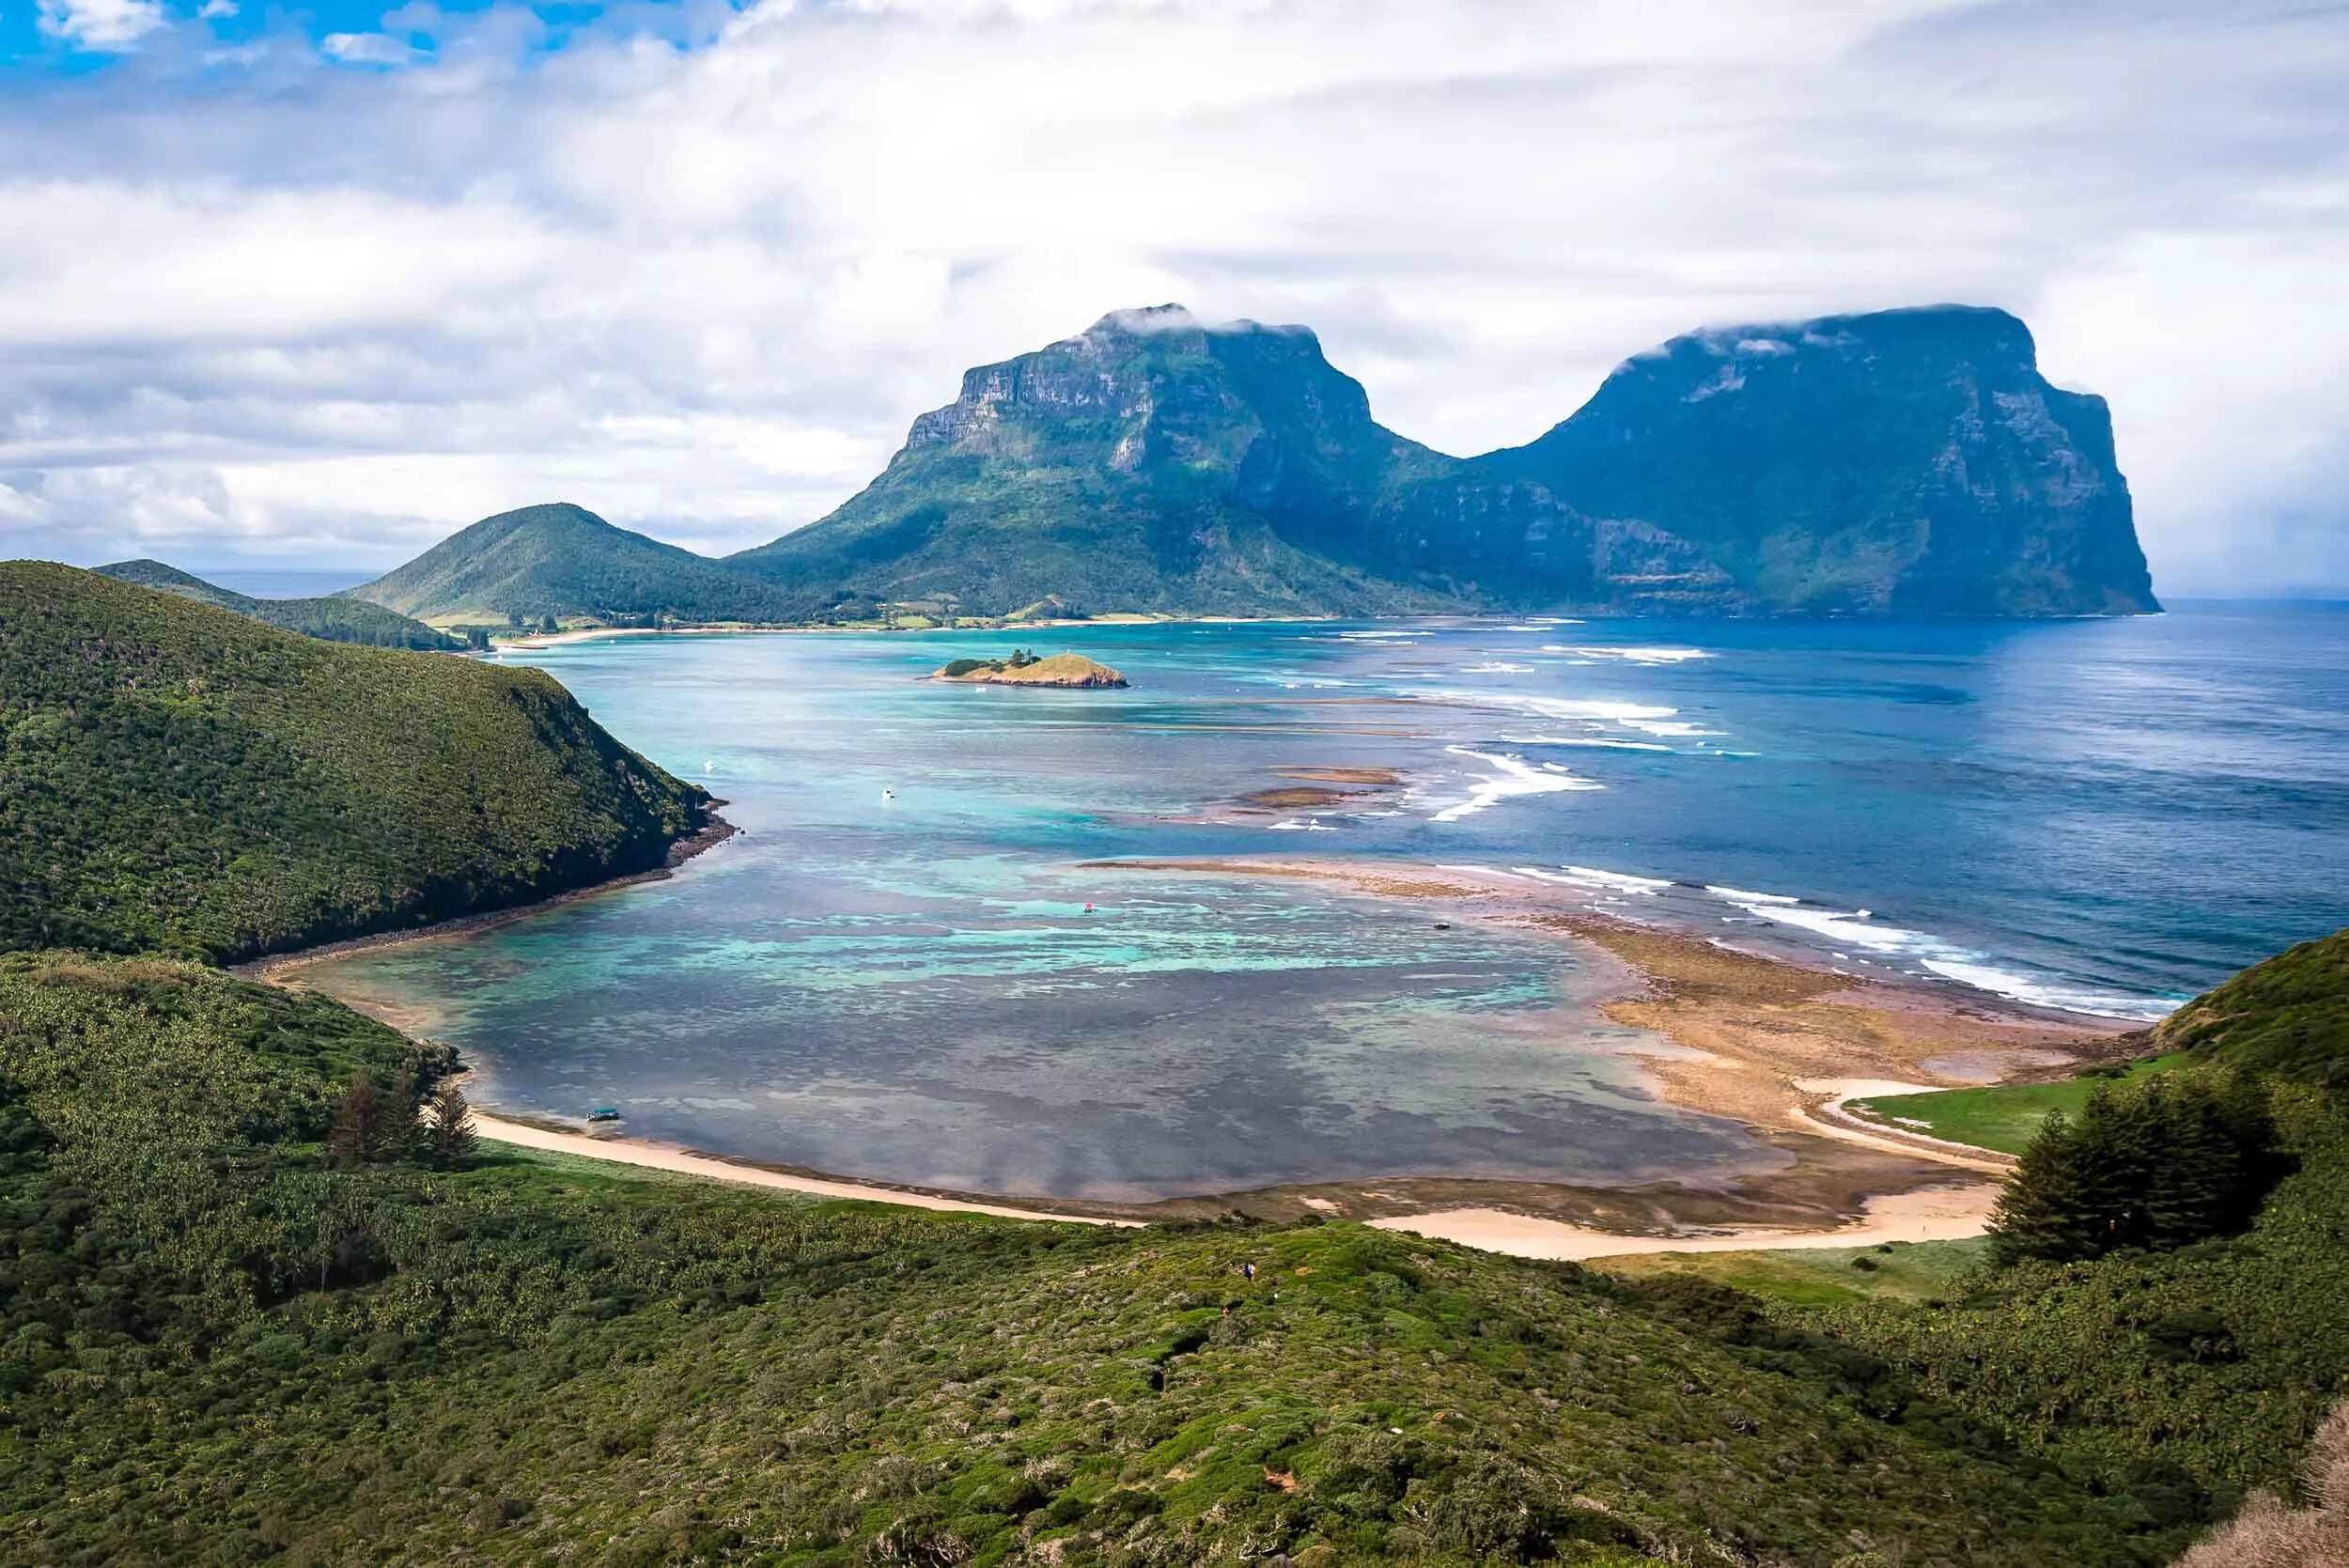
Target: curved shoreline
(714, 830)
(1707, 1000)
(646, 1155)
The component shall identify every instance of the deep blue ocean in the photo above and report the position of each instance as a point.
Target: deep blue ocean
(892, 974)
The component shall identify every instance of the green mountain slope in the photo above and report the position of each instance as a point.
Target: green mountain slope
(563, 560)
(179, 778)
(336, 620)
(1904, 462)
(1148, 464)
(218, 1346)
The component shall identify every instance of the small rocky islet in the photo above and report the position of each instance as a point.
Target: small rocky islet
(1021, 668)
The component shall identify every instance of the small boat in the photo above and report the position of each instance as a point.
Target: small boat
(604, 1113)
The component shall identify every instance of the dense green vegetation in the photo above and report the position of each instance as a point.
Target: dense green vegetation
(336, 620)
(2289, 1015)
(1911, 461)
(221, 1344)
(542, 562)
(2218, 1359)
(2003, 1116)
(2156, 1165)
(2219, 1356)
(177, 778)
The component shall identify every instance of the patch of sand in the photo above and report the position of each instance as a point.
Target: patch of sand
(1930, 1214)
(662, 1157)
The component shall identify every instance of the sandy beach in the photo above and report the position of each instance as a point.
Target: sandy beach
(684, 1162)
(1929, 1214)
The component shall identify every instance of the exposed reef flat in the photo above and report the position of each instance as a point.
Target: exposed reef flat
(1763, 1040)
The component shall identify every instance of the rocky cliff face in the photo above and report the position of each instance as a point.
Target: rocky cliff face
(1151, 463)
(1909, 461)
(1904, 462)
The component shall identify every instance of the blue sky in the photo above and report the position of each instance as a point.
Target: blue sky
(320, 285)
(78, 36)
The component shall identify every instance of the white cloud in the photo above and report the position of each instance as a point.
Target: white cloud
(102, 27)
(366, 49)
(705, 290)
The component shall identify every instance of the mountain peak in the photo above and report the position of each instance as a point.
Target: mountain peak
(1142, 320)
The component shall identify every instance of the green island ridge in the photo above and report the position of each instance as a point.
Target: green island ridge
(1021, 668)
(250, 1312)
(335, 619)
(1904, 462)
(177, 778)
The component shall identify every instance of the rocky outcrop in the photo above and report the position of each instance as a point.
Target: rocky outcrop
(1061, 669)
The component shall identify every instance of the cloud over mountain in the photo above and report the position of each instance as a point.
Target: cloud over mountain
(699, 269)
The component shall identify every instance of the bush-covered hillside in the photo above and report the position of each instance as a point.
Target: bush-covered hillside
(177, 778)
(219, 1347)
(2219, 1358)
(2289, 1015)
(336, 620)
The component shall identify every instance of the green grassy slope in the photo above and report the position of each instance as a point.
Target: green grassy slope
(2002, 1116)
(336, 620)
(563, 560)
(179, 778)
(217, 1347)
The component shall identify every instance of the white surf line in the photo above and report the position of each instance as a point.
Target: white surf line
(658, 1156)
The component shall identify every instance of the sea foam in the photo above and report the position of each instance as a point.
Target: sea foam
(1932, 955)
(1510, 777)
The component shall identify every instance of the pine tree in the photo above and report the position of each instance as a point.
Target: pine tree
(448, 1135)
(2045, 1211)
(359, 1132)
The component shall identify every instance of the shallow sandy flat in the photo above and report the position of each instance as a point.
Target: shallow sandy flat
(1930, 1214)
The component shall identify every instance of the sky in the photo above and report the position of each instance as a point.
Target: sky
(314, 285)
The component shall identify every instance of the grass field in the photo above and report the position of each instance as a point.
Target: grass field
(2002, 1116)
(1821, 1277)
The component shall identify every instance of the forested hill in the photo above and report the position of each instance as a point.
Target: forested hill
(336, 620)
(1904, 462)
(179, 778)
(563, 560)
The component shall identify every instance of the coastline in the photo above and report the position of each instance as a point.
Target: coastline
(533, 640)
(715, 830)
(1772, 1043)
(1929, 1214)
(1768, 1041)
(645, 1154)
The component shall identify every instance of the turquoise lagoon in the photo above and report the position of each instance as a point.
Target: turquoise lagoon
(892, 974)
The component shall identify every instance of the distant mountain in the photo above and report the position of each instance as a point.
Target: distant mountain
(183, 779)
(336, 620)
(1149, 464)
(563, 560)
(1904, 462)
